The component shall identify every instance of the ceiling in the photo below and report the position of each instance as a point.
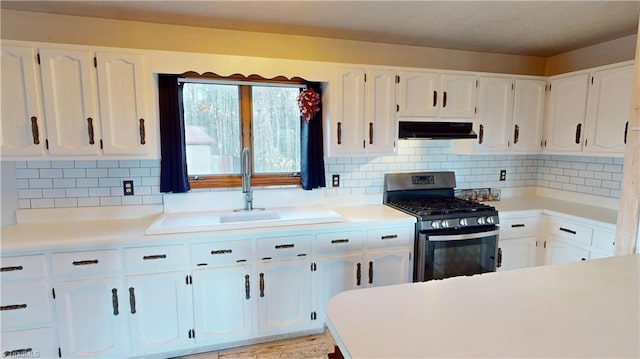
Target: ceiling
(536, 28)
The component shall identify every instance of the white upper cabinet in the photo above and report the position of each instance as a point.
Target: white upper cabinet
(566, 116)
(431, 95)
(528, 115)
(510, 117)
(495, 114)
(122, 103)
(70, 102)
(22, 128)
(608, 110)
(366, 109)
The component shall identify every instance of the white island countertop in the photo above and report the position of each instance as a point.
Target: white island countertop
(580, 310)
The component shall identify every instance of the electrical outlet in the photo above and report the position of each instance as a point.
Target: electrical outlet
(503, 175)
(335, 180)
(127, 188)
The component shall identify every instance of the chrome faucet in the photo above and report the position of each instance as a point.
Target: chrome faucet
(246, 179)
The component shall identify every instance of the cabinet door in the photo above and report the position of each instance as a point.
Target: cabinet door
(380, 125)
(556, 252)
(495, 111)
(157, 312)
(222, 301)
(70, 103)
(22, 128)
(122, 103)
(459, 96)
(348, 129)
(387, 267)
(528, 115)
(608, 110)
(334, 275)
(284, 296)
(518, 253)
(418, 94)
(567, 107)
(89, 314)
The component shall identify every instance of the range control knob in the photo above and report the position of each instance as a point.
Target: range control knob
(463, 222)
(481, 220)
(490, 220)
(435, 224)
(444, 223)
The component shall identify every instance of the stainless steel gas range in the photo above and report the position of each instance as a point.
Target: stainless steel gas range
(453, 236)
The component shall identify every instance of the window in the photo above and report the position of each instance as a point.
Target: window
(222, 117)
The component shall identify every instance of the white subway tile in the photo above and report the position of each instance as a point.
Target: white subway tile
(39, 164)
(601, 191)
(40, 183)
(62, 164)
(110, 201)
(24, 203)
(128, 163)
(602, 175)
(593, 182)
(118, 172)
(613, 168)
(27, 173)
(20, 164)
(109, 182)
(86, 182)
(74, 173)
(108, 164)
(51, 173)
(64, 183)
(611, 184)
(54, 193)
(29, 193)
(96, 172)
(42, 203)
(88, 202)
(22, 183)
(131, 200)
(65, 202)
(77, 192)
(85, 164)
(140, 172)
(100, 192)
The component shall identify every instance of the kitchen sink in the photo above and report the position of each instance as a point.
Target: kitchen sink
(184, 222)
(246, 216)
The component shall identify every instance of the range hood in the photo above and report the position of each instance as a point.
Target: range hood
(435, 130)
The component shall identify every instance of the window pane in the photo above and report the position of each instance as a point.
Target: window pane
(212, 128)
(276, 130)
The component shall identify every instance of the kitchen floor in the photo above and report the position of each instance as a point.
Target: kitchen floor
(319, 346)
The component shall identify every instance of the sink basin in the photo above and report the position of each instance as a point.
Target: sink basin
(228, 220)
(248, 216)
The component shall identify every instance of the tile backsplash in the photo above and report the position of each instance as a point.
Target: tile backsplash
(51, 184)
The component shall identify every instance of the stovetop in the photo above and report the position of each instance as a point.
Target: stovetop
(423, 207)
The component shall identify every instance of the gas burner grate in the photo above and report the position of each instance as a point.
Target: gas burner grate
(439, 206)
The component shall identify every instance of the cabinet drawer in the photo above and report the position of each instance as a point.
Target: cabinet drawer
(20, 269)
(283, 247)
(518, 227)
(337, 243)
(154, 259)
(85, 264)
(571, 231)
(604, 241)
(25, 307)
(28, 344)
(390, 237)
(221, 253)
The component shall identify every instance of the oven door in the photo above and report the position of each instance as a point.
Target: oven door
(455, 252)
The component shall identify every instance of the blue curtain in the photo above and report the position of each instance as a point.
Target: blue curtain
(311, 148)
(173, 165)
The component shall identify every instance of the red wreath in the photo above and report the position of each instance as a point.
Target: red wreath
(308, 102)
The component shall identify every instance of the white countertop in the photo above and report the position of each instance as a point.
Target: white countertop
(513, 206)
(580, 310)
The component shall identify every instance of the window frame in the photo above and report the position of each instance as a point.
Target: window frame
(246, 114)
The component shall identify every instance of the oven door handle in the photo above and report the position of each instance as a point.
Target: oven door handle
(462, 237)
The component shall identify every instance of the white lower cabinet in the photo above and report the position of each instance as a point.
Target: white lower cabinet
(388, 267)
(156, 307)
(284, 296)
(90, 317)
(518, 242)
(222, 304)
(557, 251)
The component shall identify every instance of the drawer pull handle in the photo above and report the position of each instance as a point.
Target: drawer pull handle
(266, 258)
(389, 236)
(358, 274)
(370, 272)
(13, 307)
(261, 285)
(201, 264)
(302, 255)
(241, 260)
(114, 301)
(11, 269)
(85, 263)
(520, 225)
(132, 300)
(18, 353)
(247, 287)
(155, 256)
(568, 230)
(285, 246)
(337, 241)
(221, 251)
